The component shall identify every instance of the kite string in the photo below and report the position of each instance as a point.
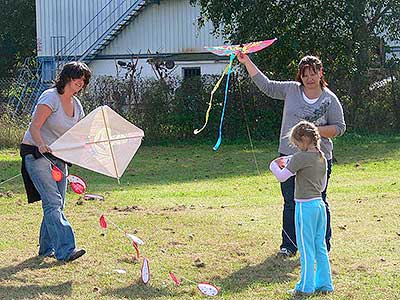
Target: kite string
(248, 129)
(252, 149)
(184, 278)
(19, 174)
(98, 211)
(11, 178)
(176, 274)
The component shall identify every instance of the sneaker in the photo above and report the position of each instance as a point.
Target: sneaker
(50, 254)
(284, 253)
(296, 294)
(323, 292)
(76, 254)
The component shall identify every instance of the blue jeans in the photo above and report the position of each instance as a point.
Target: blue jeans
(288, 232)
(56, 233)
(310, 233)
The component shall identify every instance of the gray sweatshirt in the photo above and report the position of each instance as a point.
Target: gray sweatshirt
(327, 110)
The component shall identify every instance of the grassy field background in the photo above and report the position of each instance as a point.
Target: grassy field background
(208, 216)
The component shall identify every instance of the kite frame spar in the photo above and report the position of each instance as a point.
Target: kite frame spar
(115, 128)
(109, 144)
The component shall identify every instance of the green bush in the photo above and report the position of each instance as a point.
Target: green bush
(12, 128)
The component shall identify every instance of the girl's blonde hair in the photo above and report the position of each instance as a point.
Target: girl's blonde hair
(305, 131)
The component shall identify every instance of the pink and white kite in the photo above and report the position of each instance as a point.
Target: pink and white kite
(103, 142)
(231, 51)
(227, 50)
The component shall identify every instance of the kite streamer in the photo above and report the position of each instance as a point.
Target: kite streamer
(174, 278)
(56, 173)
(102, 221)
(207, 289)
(93, 197)
(218, 143)
(77, 184)
(196, 131)
(145, 271)
(134, 239)
(136, 247)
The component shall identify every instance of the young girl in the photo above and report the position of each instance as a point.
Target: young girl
(309, 166)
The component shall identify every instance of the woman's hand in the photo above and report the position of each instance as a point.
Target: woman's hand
(243, 58)
(44, 148)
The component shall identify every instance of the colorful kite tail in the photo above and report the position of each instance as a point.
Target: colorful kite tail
(218, 143)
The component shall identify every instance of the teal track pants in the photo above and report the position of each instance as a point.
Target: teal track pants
(310, 224)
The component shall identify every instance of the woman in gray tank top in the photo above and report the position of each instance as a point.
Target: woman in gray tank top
(307, 98)
(57, 110)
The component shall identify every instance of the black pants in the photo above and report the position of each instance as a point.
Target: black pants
(288, 232)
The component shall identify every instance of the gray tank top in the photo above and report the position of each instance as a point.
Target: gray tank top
(58, 122)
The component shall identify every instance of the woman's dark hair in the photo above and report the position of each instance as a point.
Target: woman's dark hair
(72, 70)
(314, 64)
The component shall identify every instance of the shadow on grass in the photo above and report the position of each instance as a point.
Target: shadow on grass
(34, 291)
(138, 291)
(272, 270)
(33, 263)
(30, 291)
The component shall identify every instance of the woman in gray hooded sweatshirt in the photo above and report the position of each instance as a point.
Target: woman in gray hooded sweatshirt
(307, 98)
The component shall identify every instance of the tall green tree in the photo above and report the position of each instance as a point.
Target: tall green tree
(17, 34)
(346, 34)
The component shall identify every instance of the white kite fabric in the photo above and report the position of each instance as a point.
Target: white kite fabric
(103, 142)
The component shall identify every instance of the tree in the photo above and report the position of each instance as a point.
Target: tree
(17, 34)
(344, 33)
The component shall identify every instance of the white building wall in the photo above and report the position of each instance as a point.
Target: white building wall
(59, 21)
(166, 28)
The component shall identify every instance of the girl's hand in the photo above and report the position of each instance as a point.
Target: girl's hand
(281, 162)
(44, 149)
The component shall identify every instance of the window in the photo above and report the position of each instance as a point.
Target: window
(191, 72)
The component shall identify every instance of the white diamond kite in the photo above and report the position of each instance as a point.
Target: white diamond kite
(103, 142)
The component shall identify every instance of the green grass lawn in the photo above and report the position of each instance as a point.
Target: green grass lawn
(190, 204)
